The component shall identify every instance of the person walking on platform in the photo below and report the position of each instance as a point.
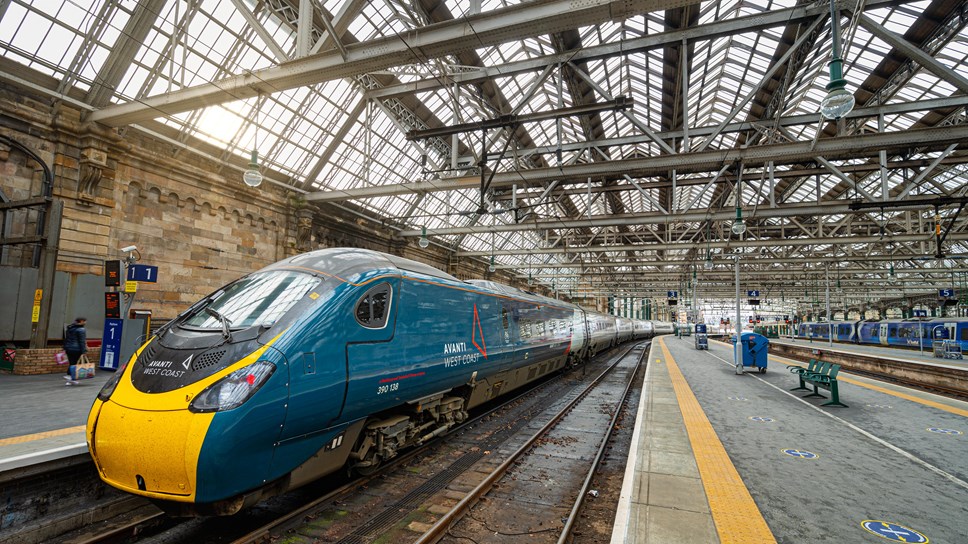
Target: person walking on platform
(75, 343)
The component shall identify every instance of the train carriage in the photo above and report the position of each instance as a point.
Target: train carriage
(328, 359)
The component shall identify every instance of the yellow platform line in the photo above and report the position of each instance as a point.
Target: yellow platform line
(736, 515)
(41, 436)
(927, 402)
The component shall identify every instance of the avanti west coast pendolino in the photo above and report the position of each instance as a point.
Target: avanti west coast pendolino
(338, 357)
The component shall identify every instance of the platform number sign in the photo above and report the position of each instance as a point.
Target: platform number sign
(143, 272)
(111, 344)
(946, 293)
(920, 313)
(893, 531)
(753, 294)
(673, 294)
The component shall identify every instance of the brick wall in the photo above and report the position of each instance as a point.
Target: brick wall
(41, 361)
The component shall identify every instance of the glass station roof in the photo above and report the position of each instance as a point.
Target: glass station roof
(707, 77)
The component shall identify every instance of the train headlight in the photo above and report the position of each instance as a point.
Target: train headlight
(108, 389)
(233, 390)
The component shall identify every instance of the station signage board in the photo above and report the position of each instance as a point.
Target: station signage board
(920, 313)
(673, 294)
(946, 293)
(143, 272)
(753, 294)
(111, 344)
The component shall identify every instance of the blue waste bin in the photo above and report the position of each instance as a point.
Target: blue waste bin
(755, 350)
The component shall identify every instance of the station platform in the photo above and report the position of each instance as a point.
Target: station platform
(44, 420)
(721, 457)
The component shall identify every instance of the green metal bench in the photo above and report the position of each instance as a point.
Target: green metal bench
(824, 378)
(812, 366)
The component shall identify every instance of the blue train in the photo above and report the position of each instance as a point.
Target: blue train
(889, 332)
(330, 359)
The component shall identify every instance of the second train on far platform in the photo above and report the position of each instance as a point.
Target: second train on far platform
(889, 332)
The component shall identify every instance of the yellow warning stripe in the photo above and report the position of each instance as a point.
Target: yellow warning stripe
(41, 436)
(841, 378)
(736, 516)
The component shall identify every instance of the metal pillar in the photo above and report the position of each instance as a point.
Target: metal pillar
(737, 354)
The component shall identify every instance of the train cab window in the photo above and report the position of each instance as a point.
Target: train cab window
(372, 310)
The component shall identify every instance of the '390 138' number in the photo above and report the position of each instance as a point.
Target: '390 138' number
(387, 388)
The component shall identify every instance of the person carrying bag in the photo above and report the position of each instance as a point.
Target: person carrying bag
(75, 345)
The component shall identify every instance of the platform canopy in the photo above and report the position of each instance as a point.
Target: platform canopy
(603, 147)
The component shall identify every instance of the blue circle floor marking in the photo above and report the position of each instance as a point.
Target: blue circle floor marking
(761, 419)
(893, 531)
(944, 431)
(800, 454)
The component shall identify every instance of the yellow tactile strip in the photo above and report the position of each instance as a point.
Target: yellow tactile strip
(737, 518)
(41, 436)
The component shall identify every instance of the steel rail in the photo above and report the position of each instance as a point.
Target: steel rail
(266, 530)
(440, 528)
(586, 485)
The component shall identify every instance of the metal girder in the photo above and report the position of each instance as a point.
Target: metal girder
(927, 61)
(122, 54)
(260, 30)
(732, 244)
(794, 120)
(749, 259)
(866, 145)
(418, 45)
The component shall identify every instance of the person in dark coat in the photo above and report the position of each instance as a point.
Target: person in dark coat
(75, 341)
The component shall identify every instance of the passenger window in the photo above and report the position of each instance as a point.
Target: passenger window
(372, 310)
(504, 318)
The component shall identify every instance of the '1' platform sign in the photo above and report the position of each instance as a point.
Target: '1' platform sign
(143, 272)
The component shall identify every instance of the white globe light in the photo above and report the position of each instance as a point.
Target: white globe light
(739, 227)
(424, 242)
(837, 104)
(252, 177)
(708, 264)
(491, 268)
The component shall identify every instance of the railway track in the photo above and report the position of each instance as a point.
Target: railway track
(299, 510)
(544, 473)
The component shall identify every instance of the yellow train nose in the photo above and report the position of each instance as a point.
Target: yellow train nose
(150, 453)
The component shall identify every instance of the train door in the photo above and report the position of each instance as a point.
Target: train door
(952, 329)
(883, 333)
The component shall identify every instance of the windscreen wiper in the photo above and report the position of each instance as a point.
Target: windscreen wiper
(226, 332)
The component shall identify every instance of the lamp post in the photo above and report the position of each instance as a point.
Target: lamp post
(737, 354)
(838, 102)
(830, 330)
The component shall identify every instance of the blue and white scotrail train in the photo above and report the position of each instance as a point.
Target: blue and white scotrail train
(330, 359)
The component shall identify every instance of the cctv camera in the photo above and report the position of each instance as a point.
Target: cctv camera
(129, 249)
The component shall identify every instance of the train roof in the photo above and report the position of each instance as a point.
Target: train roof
(345, 262)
